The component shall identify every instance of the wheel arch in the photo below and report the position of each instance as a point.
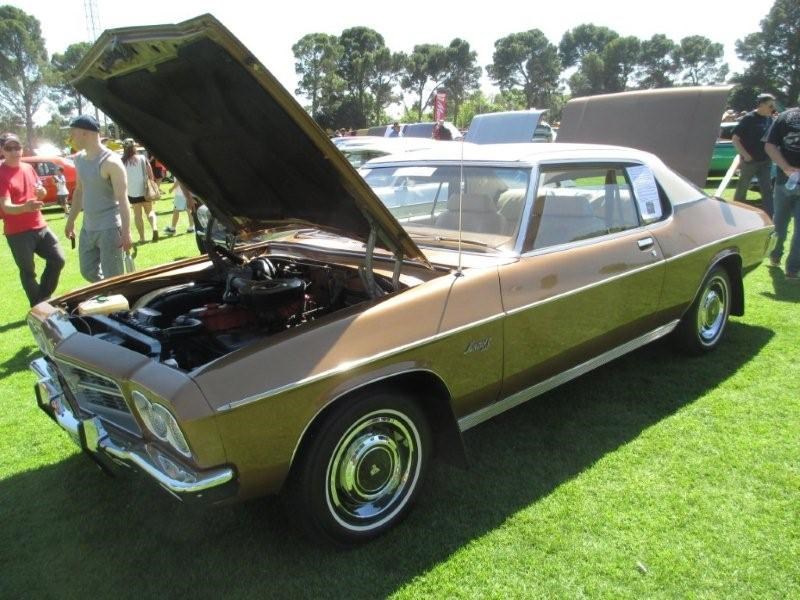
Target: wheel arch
(731, 261)
(448, 443)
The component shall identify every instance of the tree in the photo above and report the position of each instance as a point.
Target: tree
(23, 66)
(657, 62)
(357, 68)
(701, 60)
(774, 53)
(427, 63)
(529, 61)
(621, 55)
(386, 73)
(462, 73)
(316, 60)
(62, 92)
(584, 39)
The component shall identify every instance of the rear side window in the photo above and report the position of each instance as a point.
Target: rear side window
(578, 202)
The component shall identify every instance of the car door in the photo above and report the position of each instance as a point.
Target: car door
(589, 278)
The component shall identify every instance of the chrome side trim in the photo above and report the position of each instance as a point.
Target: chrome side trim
(540, 388)
(519, 309)
(355, 364)
(358, 387)
(714, 243)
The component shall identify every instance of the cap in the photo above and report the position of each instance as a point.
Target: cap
(128, 142)
(9, 137)
(87, 122)
(764, 98)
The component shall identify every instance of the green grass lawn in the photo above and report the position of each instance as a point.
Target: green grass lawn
(654, 476)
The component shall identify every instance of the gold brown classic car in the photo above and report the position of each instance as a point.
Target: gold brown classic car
(350, 326)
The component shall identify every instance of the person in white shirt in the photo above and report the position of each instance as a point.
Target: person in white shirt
(138, 170)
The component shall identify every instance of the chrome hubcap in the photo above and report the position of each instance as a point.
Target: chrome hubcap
(713, 310)
(373, 469)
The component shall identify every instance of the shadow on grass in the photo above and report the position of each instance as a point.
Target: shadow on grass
(19, 362)
(786, 290)
(126, 537)
(14, 325)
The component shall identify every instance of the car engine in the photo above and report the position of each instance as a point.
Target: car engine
(190, 324)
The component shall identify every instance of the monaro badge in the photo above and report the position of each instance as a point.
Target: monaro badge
(478, 345)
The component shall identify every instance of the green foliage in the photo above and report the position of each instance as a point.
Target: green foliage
(584, 39)
(316, 62)
(61, 91)
(426, 64)
(773, 53)
(701, 60)
(657, 64)
(23, 66)
(357, 67)
(462, 74)
(529, 61)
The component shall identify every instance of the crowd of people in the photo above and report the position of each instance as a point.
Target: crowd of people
(107, 186)
(761, 137)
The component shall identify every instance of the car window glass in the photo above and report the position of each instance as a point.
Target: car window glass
(427, 203)
(579, 202)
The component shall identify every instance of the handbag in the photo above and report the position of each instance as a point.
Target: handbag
(151, 190)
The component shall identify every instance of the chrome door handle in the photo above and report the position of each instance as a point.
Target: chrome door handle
(645, 243)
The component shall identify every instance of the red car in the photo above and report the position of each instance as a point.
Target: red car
(46, 167)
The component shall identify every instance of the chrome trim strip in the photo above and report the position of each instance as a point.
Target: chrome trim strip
(101, 390)
(355, 364)
(540, 388)
(519, 309)
(719, 241)
(302, 435)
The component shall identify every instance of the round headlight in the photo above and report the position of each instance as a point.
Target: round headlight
(176, 438)
(160, 418)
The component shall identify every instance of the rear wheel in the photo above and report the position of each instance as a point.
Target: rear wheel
(703, 325)
(362, 470)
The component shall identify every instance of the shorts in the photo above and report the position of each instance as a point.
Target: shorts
(180, 202)
(62, 199)
(136, 199)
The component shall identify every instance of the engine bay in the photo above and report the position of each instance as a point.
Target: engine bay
(236, 303)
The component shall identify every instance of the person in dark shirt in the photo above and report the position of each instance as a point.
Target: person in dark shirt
(783, 146)
(748, 140)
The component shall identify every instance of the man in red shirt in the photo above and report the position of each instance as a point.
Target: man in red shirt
(27, 233)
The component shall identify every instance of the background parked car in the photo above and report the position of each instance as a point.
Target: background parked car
(511, 127)
(724, 152)
(46, 167)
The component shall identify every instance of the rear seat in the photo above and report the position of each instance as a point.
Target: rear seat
(565, 215)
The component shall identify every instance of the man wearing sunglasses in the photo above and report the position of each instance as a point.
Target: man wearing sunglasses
(26, 231)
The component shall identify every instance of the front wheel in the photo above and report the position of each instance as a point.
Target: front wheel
(703, 325)
(362, 470)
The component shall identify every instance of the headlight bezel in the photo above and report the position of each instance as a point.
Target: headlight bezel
(171, 433)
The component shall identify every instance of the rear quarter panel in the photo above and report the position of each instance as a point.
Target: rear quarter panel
(700, 233)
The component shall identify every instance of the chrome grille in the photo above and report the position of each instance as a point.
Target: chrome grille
(98, 395)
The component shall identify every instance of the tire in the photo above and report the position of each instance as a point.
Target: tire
(703, 325)
(362, 469)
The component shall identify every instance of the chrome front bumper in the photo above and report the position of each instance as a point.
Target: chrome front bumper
(90, 434)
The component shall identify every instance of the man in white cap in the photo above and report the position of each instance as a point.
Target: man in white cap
(101, 193)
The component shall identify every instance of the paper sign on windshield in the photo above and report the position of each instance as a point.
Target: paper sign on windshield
(646, 192)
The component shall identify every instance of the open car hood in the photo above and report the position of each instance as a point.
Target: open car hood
(210, 111)
(679, 125)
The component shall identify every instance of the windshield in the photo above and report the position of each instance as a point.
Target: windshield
(425, 200)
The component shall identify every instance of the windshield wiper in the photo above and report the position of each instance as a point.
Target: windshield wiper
(439, 238)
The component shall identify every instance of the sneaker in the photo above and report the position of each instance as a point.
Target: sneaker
(774, 262)
(793, 275)
(190, 230)
(169, 230)
(155, 235)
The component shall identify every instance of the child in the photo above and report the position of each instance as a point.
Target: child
(62, 193)
(183, 201)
